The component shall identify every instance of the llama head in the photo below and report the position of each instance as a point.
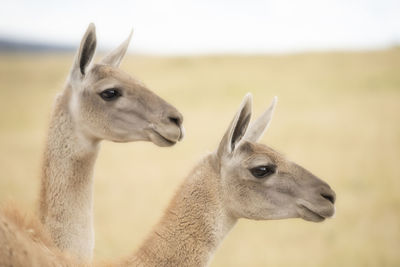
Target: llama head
(261, 184)
(109, 104)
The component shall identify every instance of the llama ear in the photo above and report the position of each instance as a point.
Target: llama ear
(115, 57)
(258, 127)
(237, 128)
(86, 50)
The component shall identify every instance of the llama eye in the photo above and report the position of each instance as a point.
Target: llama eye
(263, 171)
(110, 94)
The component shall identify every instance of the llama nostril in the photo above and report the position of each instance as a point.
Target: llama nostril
(329, 196)
(175, 120)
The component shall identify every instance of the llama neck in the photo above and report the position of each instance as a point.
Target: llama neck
(192, 227)
(66, 199)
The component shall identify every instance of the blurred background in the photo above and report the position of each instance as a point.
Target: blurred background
(335, 66)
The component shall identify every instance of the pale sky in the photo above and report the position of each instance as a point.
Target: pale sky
(209, 26)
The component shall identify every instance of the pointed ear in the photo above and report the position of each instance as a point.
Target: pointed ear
(237, 128)
(115, 57)
(86, 50)
(258, 127)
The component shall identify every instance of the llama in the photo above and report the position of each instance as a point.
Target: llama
(99, 102)
(241, 179)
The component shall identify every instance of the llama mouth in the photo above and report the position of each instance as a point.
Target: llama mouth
(310, 215)
(160, 140)
(182, 132)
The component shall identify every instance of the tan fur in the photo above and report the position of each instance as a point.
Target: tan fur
(24, 242)
(81, 118)
(193, 225)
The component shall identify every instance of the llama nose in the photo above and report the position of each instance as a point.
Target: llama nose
(175, 120)
(329, 195)
(175, 117)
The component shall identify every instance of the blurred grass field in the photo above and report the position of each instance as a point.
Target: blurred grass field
(338, 115)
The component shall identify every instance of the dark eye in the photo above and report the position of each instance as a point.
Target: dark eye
(110, 94)
(263, 171)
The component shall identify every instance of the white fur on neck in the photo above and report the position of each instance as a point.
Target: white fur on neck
(67, 183)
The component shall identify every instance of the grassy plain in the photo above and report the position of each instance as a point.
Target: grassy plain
(338, 115)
